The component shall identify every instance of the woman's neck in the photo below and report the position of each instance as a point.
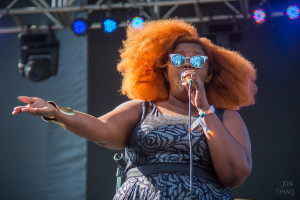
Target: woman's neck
(175, 106)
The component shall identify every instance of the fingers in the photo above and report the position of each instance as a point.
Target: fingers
(189, 74)
(19, 108)
(25, 99)
(184, 78)
(23, 109)
(26, 109)
(197, 82)
(14, 112)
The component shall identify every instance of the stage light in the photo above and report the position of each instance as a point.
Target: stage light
(293, 12)
(137, 22)
(39, 55)
(110, 25)
(259, 16)
(80, 26)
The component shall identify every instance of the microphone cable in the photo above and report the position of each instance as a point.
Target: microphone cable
(190, 81)
(190, 139)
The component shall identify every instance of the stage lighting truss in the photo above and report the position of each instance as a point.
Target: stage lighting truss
(61, 14)
(39, 55)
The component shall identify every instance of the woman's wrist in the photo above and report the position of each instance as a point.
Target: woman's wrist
(53, 114)
(202, 114)
(59, 110)
(207, 110)
(203, 107)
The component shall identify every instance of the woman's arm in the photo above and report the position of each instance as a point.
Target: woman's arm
(111, 130)
(230, 147)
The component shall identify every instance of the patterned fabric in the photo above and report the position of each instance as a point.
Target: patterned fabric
(159, 138)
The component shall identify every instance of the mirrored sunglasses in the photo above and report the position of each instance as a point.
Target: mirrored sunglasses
(196, 61)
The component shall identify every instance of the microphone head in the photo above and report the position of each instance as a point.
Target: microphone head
(189, 80)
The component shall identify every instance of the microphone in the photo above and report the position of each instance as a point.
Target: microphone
(189, 80)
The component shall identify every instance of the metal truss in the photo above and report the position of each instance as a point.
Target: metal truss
(60, 13)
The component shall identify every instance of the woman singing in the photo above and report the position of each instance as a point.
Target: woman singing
(160, 64)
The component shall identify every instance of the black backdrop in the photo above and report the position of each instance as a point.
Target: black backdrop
(274, 48)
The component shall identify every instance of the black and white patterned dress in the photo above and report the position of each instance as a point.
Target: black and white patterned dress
(159, 138)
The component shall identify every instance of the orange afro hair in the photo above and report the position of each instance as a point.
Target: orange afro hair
(145, 53)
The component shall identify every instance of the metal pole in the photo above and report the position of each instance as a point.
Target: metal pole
(190, 141)
(8, 8)
(124, 23)
(33, 10)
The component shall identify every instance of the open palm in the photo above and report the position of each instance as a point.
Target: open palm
(35, 106)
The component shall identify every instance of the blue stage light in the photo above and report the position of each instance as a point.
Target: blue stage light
(293, 12)
(137, 22)
(259, 16)
(79, 26)
(109, 25)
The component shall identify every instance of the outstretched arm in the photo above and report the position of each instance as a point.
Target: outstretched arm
(111, 130)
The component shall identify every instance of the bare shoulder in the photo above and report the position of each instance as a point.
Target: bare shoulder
(120, 122)
(235, 124)
(232, 117)
(131, 105)
(129, 109)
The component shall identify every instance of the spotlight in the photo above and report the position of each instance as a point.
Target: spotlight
(137, 22)
(293, 12)
(110, 25)
(259, 16)
(39, 55)
(80, 26)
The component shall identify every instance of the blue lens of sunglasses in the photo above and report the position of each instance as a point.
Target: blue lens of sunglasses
(179, 60)
(197, 61)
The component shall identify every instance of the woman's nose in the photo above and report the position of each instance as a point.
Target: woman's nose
(188, 65)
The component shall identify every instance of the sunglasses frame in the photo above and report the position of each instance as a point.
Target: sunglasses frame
(205, 58)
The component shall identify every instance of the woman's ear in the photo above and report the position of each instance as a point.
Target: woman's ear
(208, 78)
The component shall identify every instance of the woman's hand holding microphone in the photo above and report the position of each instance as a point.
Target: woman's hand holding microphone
(198, 94)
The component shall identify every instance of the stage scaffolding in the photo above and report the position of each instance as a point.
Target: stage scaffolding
(60, 13)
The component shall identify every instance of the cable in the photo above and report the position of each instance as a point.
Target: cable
(190, 142)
